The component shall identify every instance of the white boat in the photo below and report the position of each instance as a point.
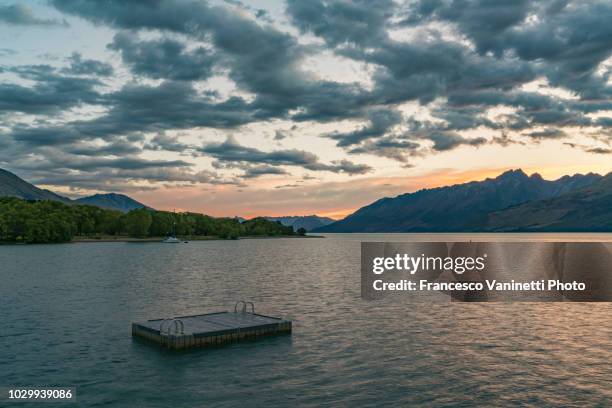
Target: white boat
(172, 239)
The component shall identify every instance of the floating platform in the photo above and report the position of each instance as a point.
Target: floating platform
(211, 329)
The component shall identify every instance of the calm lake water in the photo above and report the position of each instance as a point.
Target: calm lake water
(66, 312)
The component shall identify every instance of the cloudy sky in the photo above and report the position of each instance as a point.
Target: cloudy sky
(299, 107)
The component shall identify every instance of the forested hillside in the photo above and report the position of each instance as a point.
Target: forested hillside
(46, 221)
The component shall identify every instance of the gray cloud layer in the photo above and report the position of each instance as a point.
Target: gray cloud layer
(163, 59)
(463, 59)
(21, 15)
(233, 153)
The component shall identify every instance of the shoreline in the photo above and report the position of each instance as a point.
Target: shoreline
(89, 240)
(77, 240)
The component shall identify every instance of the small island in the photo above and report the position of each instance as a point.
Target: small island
(45, 221)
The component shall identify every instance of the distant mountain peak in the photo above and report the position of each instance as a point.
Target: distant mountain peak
(114, 201)
(584, 208)
(12, 185)
(308, 222)
(512, 174)
(536, 176)
(456, 208)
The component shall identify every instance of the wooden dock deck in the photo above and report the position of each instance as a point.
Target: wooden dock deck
(210, 329)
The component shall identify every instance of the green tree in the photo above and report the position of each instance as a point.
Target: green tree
(52, 221)
(161, 224)
(138, 222)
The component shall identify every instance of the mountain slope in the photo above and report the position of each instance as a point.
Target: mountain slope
(13, 186)
(112, 201)
(308, 222)
(585, 209)
(461, 207)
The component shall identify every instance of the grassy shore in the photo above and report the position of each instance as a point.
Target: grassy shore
(113, 238)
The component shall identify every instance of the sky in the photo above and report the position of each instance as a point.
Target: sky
(299, 107)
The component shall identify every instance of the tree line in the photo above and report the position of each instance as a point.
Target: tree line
(23, 221)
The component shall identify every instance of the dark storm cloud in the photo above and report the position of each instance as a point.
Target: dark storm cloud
(263, 59)
(484, 21)
(48, 158)
(116, 148)
(169, 105)
(428, 68)
(20, 14)
(443, 141)
(380, 123)
(463, 118)
(344, 166)
(124, 179)
(420, 70)
(143, 108)
(51, 93)
(124, 163)
(505, 140)
(486, 52)
(163, 58)
(261, 170)
(287, 186)
(80, 66)
(341, 22)
(164, 142)
(599, 150)
(279, 135)
(548, 133)
(604, 122)
(79, 167)
(574, 43)
(232, 152)
(260, 59)
(398, 148)
(44, 135)
(589, 149)
(573, 38)
(532, 108)
(258, 13)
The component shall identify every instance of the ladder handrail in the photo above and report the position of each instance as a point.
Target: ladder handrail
(178, 322)
(161, 325)
(244, 306)
(173, 323)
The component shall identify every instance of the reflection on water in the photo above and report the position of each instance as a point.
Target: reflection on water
(66, 313)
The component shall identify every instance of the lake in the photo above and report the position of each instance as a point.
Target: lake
(67, 312)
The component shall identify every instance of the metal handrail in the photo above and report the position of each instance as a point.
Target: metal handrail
(244, 306)
(173, 323)
(161, 325)
(177, 322)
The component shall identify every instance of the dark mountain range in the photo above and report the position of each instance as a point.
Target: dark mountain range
(585, 209)
(111, 201)
(461, 207)
(12, 185)
(308, 222)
